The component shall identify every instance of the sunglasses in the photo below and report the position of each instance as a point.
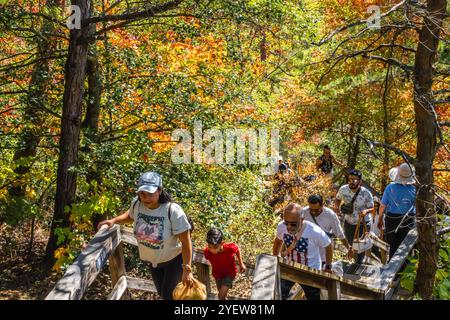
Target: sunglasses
(290, 223)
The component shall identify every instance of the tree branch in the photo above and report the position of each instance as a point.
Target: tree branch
(391, 61)
(371, 144)
(147, 13)
(356, 23)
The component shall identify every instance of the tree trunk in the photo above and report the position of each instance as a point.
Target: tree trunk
(353, 148)
(33, 115)
(385, 168)
(426, 146)
(75, 72)
(90, 123)
(94, 92)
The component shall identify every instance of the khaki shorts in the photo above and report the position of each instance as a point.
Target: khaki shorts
(227, 281)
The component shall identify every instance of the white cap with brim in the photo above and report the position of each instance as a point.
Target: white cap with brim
(403, 174)
(149, 182)
(147, 188)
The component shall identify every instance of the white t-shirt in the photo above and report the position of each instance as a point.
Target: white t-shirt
(307, 249)
(155, 233)
(363, 201)
(328, 222)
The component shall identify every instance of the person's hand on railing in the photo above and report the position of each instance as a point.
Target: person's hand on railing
(109, 223)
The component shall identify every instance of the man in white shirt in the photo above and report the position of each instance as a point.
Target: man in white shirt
(303, 241)
(354, 202)
(327, 220)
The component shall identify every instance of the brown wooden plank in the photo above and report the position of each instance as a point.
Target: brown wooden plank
(117, 268)
(127, 235)
(377, 242)
(266, 278)
(372, 260)
(119, 289)
(203, 275)
(389, 271)
(147, 285)
(316, 278)
(284, 263)
(80, 275)
(213, 296)
(360, 292)
(299, 276)
(198, 257)
(334, 290)
(141, 284)
(298, 295)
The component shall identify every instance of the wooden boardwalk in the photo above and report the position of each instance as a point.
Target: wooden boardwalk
(366, 282)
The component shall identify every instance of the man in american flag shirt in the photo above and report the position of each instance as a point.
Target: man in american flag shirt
(303, 241)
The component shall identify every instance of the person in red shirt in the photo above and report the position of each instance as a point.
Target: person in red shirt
(221, 256)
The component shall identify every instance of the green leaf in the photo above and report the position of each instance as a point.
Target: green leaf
(443, 292)
(407, 283)
(443, 254)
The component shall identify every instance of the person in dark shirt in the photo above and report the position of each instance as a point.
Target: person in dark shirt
(282, 167)
(326, 161)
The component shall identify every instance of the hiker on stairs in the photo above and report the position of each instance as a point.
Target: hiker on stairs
(162, 230)
(222, 257)
(327, 220)
(303, 241)
(354, 202)
(325, 162)
(398, 201)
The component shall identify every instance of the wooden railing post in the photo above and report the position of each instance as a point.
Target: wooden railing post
(203, 276)
(117, 268)
(266, 278)
(334, 290)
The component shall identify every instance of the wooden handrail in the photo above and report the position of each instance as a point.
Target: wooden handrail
(389, 271)
(377, 286)
(80, 275)
(106, 244)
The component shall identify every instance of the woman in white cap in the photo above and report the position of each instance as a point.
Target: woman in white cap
(162, 230)
(398, 201)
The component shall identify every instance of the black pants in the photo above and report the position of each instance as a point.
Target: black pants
(311, 293)
(349, 231)
(394, 239)
(167, 275)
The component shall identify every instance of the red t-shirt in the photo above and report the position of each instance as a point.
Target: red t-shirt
(223, 263)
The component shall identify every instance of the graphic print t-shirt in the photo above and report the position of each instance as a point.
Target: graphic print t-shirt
(155, 233)
(307, 249)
